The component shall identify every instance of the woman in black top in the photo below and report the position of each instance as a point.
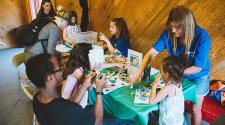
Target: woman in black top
(46, 9)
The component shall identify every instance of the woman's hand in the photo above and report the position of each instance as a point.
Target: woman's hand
(103, 38)
(134, 77)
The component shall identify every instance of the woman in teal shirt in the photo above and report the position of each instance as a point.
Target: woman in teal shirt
(184, 36)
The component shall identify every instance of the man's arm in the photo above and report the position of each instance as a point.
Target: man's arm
(98, 105)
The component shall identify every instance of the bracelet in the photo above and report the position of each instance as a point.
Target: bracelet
(99, 93)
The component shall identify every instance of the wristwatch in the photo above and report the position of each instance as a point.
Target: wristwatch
(99, 93)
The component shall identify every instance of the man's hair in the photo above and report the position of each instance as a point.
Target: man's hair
(38, 68)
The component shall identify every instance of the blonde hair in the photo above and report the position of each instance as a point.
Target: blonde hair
(185, 20)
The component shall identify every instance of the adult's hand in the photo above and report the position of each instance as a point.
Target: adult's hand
(100, 84)
(134, 77)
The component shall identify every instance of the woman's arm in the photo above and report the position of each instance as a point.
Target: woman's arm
(192, 70)
(108, 65)
(108, 43)
(150, 55)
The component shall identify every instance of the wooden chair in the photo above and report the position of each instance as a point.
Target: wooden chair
(23, 80)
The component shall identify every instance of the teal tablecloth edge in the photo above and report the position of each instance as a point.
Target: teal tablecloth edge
(119, 103)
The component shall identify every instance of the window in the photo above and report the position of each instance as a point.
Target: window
(34, 7)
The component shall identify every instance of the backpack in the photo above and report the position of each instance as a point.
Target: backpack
(217, 91)
(27, 35)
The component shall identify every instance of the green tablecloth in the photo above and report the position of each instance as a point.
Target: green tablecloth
(119, 103)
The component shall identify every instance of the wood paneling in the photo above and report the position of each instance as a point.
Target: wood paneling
(12, 15)
(146, 20)
(70, 5)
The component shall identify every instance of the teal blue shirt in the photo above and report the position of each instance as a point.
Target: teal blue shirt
(201, 44)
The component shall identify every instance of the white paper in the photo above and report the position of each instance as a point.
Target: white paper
(96, 56)
(139, 98)
(62, 48)
(118, 84)
(134, 61)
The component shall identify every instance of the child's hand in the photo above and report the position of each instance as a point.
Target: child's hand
(97, 67)
(157, 80)
(120, 65)
(103, 38)
(89, 80)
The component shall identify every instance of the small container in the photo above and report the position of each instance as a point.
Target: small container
(86, 37)
(147, 71)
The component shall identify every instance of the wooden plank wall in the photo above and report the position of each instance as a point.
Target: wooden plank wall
(146, 20)
(12, 15)
(70, 5)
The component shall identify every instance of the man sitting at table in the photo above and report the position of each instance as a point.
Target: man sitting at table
(44, 71)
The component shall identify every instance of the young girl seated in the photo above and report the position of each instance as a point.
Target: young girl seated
(77, 83)
(120, 40)
(171, 106)
(71, 29)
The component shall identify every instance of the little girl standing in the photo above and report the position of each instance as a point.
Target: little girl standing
(171, 106)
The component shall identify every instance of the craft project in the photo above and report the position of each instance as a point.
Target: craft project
(96, 56)
(142, 95)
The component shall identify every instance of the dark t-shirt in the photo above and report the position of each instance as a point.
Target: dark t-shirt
(121, 44)
(62, 112)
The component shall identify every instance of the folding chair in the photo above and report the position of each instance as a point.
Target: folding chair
(23, 80)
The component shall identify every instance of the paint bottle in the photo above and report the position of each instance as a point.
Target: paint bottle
(147, 71)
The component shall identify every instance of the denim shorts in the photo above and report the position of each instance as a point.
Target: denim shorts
(202, 85)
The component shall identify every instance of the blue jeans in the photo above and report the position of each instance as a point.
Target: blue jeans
(202, 85)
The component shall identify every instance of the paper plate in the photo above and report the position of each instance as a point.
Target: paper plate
(62, 48)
